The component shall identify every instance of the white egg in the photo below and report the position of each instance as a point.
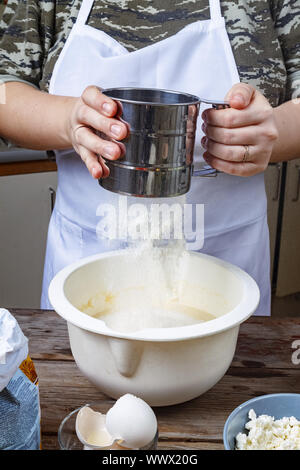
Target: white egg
(132, 420)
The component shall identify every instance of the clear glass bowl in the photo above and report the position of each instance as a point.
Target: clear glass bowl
(67, 437)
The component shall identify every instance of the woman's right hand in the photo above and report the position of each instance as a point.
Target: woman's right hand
(91, 112)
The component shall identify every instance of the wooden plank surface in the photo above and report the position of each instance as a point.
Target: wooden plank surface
(262, 364)
(26, 167)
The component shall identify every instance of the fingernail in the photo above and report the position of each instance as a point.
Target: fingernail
(203, 127)
(108, 151)
(203, 141)
(94, 172)
(204, 117)
(239, 98)
(107, 108)
(116, 130)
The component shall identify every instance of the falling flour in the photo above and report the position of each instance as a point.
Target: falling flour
(157, 244)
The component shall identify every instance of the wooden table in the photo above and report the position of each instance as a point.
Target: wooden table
(27, 167)
(262, 364)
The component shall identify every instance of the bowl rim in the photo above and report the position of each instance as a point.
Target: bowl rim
(61, 425)
(64, 308)
(71, 314)
(246, 403)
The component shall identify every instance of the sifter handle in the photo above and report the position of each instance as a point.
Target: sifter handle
(217, 104)
(207, 170)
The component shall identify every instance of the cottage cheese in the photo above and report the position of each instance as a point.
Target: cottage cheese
(266, 433)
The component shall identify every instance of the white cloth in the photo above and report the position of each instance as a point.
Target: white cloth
(198, 60)
(13, 347)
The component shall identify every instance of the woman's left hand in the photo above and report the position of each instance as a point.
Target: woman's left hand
(239, 140)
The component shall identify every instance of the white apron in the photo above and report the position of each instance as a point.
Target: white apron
(198, 60)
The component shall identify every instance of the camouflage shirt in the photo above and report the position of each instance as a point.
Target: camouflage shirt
(264, 35)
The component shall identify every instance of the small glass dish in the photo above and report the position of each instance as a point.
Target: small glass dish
(67, 437)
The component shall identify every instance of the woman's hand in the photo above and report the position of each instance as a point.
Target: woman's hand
(93, 112)
(239, 140)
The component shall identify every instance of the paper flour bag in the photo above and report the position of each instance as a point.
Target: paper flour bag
(19, 394)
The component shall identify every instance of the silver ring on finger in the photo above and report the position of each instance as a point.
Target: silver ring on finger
(246, 154)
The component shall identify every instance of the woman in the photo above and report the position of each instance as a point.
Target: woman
(72, 48)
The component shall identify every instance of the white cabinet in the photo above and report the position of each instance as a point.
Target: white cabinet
(283, 191)
(25, 210)
(288, 276)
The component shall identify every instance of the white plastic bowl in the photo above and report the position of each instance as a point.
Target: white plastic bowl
(164, 366)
